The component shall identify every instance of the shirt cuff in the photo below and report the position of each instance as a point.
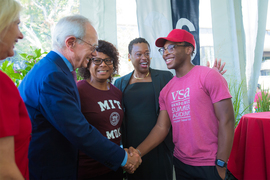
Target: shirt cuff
(125, 159)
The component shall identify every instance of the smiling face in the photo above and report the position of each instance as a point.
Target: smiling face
(179, 57)
(140, 57)
(83, 51)
(8, 38)
(100, 72)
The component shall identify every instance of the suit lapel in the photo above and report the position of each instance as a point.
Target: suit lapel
(126, 82)
(59, 62)
(156, 86)
(54, 57)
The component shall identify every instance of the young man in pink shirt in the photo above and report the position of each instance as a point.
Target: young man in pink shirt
(197, 103)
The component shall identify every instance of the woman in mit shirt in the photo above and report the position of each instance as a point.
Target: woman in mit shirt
(101, 106)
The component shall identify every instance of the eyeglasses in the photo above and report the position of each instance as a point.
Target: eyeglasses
(170, 48)
(98, 61)
(93, 48)
(146, 54)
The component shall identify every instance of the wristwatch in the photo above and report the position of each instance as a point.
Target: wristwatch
(221, 163)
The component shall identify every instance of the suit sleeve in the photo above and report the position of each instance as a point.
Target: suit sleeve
(169, 75)
(62, 110)
(117, 84)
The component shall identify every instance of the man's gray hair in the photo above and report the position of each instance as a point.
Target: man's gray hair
(68, 26)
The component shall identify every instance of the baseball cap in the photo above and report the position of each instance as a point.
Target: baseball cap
(176, 35)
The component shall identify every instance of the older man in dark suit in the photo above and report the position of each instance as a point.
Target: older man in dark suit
(52, 100)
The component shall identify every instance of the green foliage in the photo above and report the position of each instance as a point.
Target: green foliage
(31, 60)
(236, 91)
(263, 102)
(39, 18)
(7, 68)
(19, 74)
(116, 75)
(78, 76)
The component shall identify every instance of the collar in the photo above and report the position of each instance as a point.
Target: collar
(70, 67)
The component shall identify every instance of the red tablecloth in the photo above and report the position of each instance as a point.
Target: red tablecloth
(250, 155)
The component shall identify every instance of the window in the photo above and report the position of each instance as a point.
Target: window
(265, 72)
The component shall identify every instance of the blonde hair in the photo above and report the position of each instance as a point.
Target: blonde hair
(9, 12)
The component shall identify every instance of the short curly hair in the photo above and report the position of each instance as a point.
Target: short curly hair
(110, 50)
(136, 41)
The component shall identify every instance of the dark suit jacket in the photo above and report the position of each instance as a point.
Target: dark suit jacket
(159, 79)
(59, 128)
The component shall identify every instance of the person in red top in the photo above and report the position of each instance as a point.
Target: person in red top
(15, 125)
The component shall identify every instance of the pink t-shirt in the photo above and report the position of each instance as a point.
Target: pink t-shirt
(189, 102)
(257, 96)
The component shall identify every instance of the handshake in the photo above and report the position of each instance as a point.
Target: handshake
(134, 160)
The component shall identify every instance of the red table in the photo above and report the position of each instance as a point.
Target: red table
(250, 155)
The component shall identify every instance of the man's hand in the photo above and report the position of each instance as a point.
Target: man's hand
(132, 150)
(133, 162)
(221, 172)
(217, 66)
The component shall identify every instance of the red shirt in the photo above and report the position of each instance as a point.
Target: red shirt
(14, 121)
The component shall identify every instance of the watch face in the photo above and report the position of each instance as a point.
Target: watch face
(220, 163)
